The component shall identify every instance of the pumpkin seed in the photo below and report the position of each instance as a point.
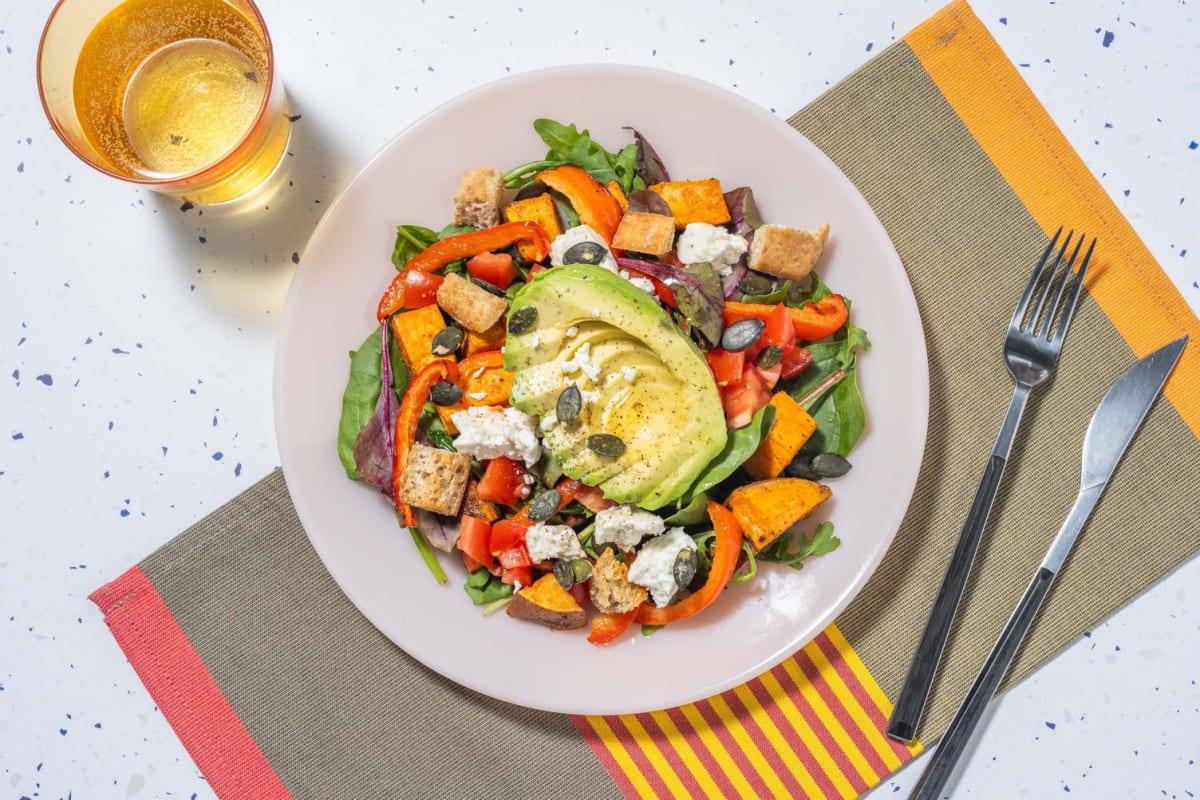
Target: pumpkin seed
(830, 465)
(444, 393)
(488, 287)
(648, 202)
(531, 189)
(585, 253)
(769, 357)
(756, 284)
(447, 341)
(582, 568)
(801, 467)
(684, 569)
(522, 320)
(606, 444)
(564, 573)
(544, 506)
(742, 334)
(569, 404)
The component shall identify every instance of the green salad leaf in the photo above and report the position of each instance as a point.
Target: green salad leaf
(483, 588)
(359, 399)
(569, 145)
(410, 240)
(794, 549)
(739, 446)
(692, 513)
(840, 415)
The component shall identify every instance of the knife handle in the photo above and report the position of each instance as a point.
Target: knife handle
(958, 735)
(921, 671)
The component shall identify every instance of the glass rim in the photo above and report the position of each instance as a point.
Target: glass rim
(183, 178)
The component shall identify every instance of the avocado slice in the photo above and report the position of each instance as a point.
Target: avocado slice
(642, 380)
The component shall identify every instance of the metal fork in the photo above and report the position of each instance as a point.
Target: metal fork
(1031, 349)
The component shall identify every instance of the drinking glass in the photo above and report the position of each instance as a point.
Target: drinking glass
(180, 96)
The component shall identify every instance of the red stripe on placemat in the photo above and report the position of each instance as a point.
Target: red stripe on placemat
(185, 691)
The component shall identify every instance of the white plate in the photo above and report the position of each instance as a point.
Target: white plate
(700, 131)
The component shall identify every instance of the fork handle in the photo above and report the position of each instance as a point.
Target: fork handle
(958, 735)
(917, 683)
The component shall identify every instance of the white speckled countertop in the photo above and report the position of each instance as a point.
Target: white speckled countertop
(136, 341)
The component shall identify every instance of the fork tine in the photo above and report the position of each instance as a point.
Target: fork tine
(1050, 279)
(1023, 303)
(1045, 327)
(1060, 333)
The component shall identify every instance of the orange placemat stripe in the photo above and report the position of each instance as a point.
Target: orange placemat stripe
(811, 727)
(1029, 150)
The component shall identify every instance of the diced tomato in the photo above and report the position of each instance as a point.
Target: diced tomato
(521, 575)
(673, 259)
(516, 565)
(593, 499)
(420, 289)
(743, 399)
(497, 269)
(726, 366)
(515, 556)
(772, 374)
(779, 328)
(661, 290)
(795, 361)
(504, 482)
(506, 534)
(534, 270)
(474, 539)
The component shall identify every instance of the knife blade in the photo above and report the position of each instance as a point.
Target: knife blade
(1121, 412)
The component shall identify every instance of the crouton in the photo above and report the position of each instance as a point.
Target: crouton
(434, 479)
(786, 252)
(475, 506)
(610, 589)
(540, 209)
(642, 232)
(473, 307)
(768, 509)
(479, 197)
(547, 603)
(694, 201)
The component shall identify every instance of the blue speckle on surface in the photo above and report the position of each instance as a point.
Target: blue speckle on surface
(869, 46)
(237, 470)
(46, 379)
(1004, 20)
(1192, 145)
(1051, 725)
(124, 512)
(217, 456)
(1108, 38)
(62, 731)
(18, 437)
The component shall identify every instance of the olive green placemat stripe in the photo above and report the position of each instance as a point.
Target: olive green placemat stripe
(969, 245)
(338, 710)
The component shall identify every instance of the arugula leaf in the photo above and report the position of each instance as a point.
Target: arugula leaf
(454, 230)
(410, 240)
(793, 294)
(359, 398)
(740, 445)
(625, 164)
(484, 588)
(442, 440)
(793, 550)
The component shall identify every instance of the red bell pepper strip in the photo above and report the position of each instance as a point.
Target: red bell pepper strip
(464, 245)
(727, 548)
(813, 321)
(596, 208)
(607, 627)
(407, 418)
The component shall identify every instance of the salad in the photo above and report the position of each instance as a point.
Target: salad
(609, 392)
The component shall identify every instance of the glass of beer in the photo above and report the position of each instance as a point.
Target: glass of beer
(180, 96)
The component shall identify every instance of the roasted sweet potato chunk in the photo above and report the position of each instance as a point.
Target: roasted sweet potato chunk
(768, 509)
(547, 603)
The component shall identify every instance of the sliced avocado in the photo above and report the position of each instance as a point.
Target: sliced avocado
(669, 415)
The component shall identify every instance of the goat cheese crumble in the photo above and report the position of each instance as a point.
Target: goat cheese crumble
(486, 432)
(654, 567)
(703, 242)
